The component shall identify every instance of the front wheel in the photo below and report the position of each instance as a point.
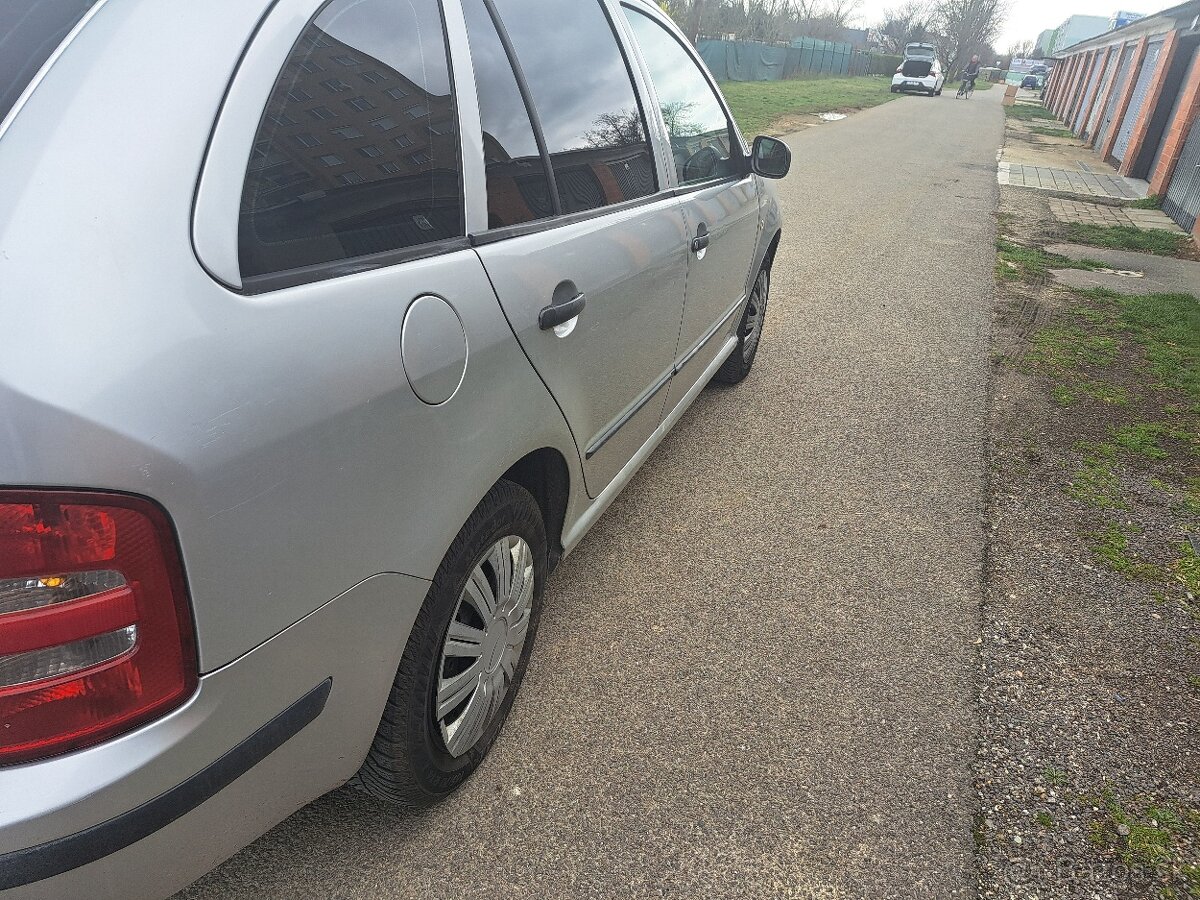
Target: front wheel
(466, 654)
(749, 332)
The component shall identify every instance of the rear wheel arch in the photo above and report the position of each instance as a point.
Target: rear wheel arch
(545, 474)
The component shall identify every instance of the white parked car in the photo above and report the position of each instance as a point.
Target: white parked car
(920, 71)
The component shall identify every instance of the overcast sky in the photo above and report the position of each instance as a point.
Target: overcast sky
(1027, 18)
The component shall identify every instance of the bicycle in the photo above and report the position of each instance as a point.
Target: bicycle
(966, 89)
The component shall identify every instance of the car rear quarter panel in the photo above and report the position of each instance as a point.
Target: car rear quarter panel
(278, 431)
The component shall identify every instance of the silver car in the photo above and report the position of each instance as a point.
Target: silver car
(330, 327)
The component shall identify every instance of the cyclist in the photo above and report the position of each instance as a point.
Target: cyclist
(971, 72)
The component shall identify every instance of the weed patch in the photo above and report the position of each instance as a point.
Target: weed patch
(1027, 113)
(1152, 202)
(1168, 328)
(1142, 439)
(1078, 388)
(1112, 548)
(1095, 483)
(1065, 347)
(1015, 262)
(1047, 131)
(1187, 568)
(1123, 237)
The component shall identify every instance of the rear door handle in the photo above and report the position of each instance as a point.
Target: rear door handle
(700, 241)
(557, 313)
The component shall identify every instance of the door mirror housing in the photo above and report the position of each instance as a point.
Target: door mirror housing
(770, 157)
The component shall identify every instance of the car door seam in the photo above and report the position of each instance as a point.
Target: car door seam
(525, 353)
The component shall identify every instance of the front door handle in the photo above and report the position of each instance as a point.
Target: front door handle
(700, 241)
(557, 313)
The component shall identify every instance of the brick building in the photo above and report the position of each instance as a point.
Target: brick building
(1133, 95)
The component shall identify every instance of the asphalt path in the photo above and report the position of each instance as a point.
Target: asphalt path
(757, 675)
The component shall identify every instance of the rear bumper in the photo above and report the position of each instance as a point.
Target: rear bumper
(900, 83)
(148, 813)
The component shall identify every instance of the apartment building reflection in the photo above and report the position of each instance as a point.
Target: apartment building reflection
(368, 153)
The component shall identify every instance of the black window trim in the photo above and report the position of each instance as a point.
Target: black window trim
(546, 223)
(535, 120)
(288, 278)
(558, 217)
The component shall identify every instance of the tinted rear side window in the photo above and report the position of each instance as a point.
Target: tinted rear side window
(30, 31)
(357, 152)
(517, 187)
(584, 97)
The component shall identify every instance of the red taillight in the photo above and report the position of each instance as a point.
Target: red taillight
(95, 631)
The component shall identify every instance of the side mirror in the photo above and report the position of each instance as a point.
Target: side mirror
(770, 157)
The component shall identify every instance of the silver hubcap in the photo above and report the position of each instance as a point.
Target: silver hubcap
(755, 312)
(484, 643)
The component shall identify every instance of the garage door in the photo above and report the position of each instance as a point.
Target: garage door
(1166, 130)
(1079, 89)
(1138, 100)
(1088, 93)
(1182, 202)
(1120, 83)
(1089, 126)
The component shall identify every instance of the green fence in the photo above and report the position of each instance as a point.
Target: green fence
(804, 58)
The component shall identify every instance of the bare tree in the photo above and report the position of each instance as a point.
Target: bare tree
(966, 27)
(1020, 50)
(906, 24)
(763, 20)
(616, 129)
(694, 20)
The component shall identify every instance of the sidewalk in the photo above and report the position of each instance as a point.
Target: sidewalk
(1034, 159)
(1079, 180)
(1111, 216)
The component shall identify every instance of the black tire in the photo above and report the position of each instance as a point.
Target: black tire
(408, 762)
(749, 332)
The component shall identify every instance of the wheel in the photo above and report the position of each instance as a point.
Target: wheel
(466, 655)
(737, 367)
(895, 90)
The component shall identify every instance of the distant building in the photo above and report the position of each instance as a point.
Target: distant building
(1076, 29)
(1122, 18)
(1041, 47)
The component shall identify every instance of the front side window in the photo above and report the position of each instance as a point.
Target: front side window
(583, 94)
(352, 195)
(703, 141)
